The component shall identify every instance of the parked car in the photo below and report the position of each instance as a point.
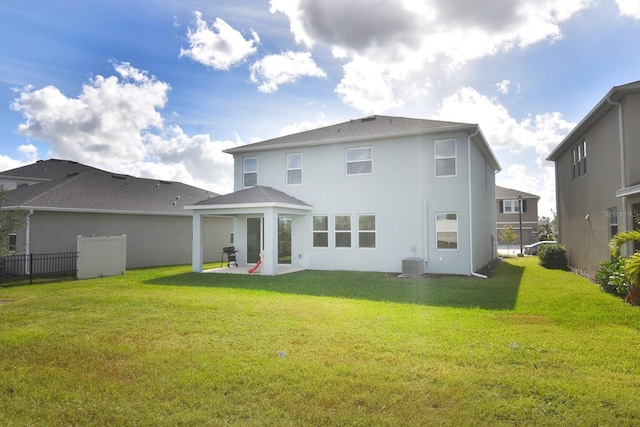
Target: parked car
(533, 249)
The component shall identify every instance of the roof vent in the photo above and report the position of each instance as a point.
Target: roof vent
(72, 174)
(368, 119)
(118, 176)
(165, 182)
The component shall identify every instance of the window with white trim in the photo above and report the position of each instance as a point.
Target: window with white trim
(359, 160)
(447, 231)
(342, 228)
(366, 231)
(445, 157)
(320, 231)
(579, 160)
(511, 206)
(250, 171)
(294, 168)
(613, 222)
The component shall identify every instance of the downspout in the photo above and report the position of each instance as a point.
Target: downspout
(623, 169)
(473, 273)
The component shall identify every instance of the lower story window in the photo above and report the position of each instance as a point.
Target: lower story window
(320, 231)
(13, 242)
(366, 231)
(613, 222)
(447, 230)
(343, 231)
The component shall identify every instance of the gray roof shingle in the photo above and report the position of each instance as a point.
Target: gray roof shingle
(372, 126)
(79, 187)
(253, 195)
(509, 193)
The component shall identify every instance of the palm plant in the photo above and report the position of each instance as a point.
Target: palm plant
(631, 265)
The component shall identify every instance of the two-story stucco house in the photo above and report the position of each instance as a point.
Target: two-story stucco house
(363, 195)
(597, 178)
(509, 201)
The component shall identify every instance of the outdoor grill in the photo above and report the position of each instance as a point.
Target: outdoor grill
(230, 253)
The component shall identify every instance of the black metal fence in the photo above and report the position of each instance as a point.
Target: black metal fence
(20, 269)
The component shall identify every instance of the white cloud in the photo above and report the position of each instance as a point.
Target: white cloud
(220, 46)
(629, 8)
(503, 86)
(402, 41)
(368, 86)
(107, 120)
(28, 151)
(288, 67)
(541, 132)
(115, 124)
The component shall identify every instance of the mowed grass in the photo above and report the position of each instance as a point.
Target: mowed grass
(165, 347)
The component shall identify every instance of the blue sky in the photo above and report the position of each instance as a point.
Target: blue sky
(158, 89)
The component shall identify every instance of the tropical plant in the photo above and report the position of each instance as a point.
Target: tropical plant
(611, 276)
(631, 265)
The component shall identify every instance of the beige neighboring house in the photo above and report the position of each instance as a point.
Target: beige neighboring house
(508, 201)
(63, 199)
(598, 179)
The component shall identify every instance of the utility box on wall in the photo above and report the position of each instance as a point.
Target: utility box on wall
(101, 256)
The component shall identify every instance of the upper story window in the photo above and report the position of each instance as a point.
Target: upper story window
(579, 160)
(359, 160)
(512, 206)
(250, 171)
(445, 157)
(294, 168)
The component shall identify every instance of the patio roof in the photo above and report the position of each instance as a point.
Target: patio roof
(250, 199)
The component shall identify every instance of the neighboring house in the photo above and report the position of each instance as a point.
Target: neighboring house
(598, 179)
(63, 199)
(363, 195)
(508, 202)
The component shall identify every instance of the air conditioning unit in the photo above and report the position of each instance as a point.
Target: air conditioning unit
(412, 267)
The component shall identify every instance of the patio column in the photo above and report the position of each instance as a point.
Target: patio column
(270, 260)
(197, 241)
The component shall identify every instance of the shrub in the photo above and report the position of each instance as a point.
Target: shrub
(553, 256)
(611, 277)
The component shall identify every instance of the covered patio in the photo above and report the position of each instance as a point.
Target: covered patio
(255, 212)
(282, 269)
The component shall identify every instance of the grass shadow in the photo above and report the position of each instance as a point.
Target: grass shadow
(499, 292)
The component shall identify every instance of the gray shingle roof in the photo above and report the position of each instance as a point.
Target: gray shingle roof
(253, 195)
(79, 187)
(48, 169)
(372, 126)
(508, 193)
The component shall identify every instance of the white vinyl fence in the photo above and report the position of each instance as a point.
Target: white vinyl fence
(101, 256)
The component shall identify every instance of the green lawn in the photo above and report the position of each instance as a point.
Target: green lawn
(165, 347)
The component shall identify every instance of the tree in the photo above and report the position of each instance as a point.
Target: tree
(508, 235)
(11, 220)
(547, 227)
(631, 265)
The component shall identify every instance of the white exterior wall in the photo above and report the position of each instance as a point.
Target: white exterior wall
(402, 192)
